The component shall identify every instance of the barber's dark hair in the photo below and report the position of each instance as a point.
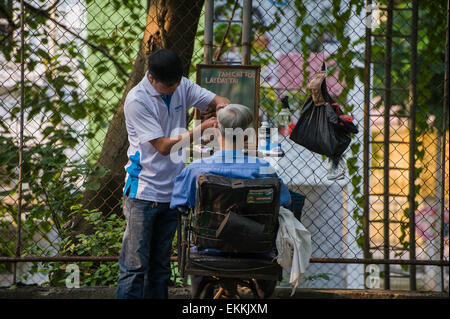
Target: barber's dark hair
(165, 66)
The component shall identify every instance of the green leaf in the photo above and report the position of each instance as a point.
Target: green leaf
(64, 69)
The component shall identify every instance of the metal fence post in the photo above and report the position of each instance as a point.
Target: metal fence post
(209, 29)
(366, 138)
(20, 175)
(387, 108)
(443, 145)
(412, 148)
(246, 31)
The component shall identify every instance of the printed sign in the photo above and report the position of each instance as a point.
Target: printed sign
(239, 83)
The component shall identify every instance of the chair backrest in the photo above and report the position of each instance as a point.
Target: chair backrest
(246, 208)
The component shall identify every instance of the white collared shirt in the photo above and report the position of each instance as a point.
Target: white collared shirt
(150, 175)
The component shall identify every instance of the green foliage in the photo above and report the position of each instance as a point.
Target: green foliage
(105, 240)
(430, 66)
(324, 276)
(63, 111)
(232, 39)
(51, 184)
(430, 62)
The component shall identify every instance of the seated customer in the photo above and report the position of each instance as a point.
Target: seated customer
(228, 162)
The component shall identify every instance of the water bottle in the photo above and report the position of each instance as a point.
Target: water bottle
(264, 136)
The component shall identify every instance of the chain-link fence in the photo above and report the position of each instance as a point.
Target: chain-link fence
(67, 65)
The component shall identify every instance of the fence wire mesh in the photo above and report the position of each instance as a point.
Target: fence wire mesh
(67, 66)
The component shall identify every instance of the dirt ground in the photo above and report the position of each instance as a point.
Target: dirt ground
(184, 293)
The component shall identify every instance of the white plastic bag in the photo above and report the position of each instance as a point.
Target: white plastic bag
(293, 245)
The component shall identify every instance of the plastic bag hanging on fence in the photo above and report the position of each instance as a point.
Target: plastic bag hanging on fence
(322, 127)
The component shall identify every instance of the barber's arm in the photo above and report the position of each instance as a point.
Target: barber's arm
(164, 145)
(216, 104)
(219, 102)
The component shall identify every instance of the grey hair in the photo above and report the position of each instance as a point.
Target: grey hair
(234, 116)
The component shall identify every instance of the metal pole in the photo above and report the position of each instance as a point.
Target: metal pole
(20, 177)
(443, 144)
(246, 31)
(209, 30)
(387, 108)
(366, 139)
(412, 147)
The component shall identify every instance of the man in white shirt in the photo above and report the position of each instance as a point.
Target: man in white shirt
(155, 115)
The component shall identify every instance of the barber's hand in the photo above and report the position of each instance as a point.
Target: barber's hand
(208, 123)
(208, 113)
(220, 102)
(221, 106)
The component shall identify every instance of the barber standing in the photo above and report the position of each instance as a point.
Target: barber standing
(154, 108)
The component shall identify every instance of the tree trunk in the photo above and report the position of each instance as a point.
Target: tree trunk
(170, 24)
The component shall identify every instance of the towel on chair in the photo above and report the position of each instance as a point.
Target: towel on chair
(294, 246)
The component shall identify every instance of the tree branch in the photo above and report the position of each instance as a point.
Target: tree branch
(4, 13)
(219, 50)
(45, 14)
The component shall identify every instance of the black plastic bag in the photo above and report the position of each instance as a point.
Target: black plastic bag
(320, 128)
(317, 130)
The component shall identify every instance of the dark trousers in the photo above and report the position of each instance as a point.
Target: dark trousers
(146, 249)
